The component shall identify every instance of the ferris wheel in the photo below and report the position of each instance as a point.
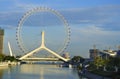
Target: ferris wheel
(35, 20)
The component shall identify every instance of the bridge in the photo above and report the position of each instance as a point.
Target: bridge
(41, 59)
(43, 47)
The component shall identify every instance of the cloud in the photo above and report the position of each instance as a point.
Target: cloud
(9, 19)
(89, 35)
(84, 37)
(106, 17)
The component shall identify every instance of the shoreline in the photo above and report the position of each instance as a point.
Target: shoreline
(90, 75)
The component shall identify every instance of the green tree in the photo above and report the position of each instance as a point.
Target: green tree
(10, 58)
(2, 57)
(77, 59)
(98, 61)
(114, 62)
(105, 62)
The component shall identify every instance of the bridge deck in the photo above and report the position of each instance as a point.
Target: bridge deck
(41, 59)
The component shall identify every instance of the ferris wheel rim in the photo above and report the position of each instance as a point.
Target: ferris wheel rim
(39, 9)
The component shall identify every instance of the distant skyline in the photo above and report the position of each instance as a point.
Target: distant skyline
(92, 22)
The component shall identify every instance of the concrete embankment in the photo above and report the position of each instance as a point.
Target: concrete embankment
(92, 76)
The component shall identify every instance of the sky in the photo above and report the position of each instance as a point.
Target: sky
(92, 22)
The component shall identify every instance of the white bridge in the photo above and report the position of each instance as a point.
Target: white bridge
(43, 47)
(41, 59)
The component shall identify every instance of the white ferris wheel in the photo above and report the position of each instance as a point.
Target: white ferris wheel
(33, 22)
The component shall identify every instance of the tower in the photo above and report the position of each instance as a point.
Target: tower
(1, 40)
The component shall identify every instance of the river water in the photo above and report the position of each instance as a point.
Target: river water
(38, 71)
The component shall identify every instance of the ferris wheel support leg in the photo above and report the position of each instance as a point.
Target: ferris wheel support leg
(52, 52)
(30, 53)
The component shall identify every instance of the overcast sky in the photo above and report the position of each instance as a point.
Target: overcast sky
(92, 22)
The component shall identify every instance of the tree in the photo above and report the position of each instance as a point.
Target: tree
(2, 57)
(105, 62)
(114, 62)
(77, 60)
(10, 58)
(98, 61)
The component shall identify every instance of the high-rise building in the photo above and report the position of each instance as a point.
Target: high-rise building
(1, 40)
(93, 53)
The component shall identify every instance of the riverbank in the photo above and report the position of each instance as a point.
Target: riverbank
(5, 64)
(90, 75)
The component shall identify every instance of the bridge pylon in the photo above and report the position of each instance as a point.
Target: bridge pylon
(43, 47)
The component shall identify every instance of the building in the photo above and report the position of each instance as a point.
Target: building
(93, 53)
(118, 53)
(1, 40)
(66, 55)
(103, 54)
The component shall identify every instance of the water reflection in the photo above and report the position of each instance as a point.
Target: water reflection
(1, 73)
(2, 69)
(38, 71)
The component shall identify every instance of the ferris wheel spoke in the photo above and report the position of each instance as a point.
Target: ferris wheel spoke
(25, 17)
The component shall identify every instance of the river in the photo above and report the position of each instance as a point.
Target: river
(38, 71)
